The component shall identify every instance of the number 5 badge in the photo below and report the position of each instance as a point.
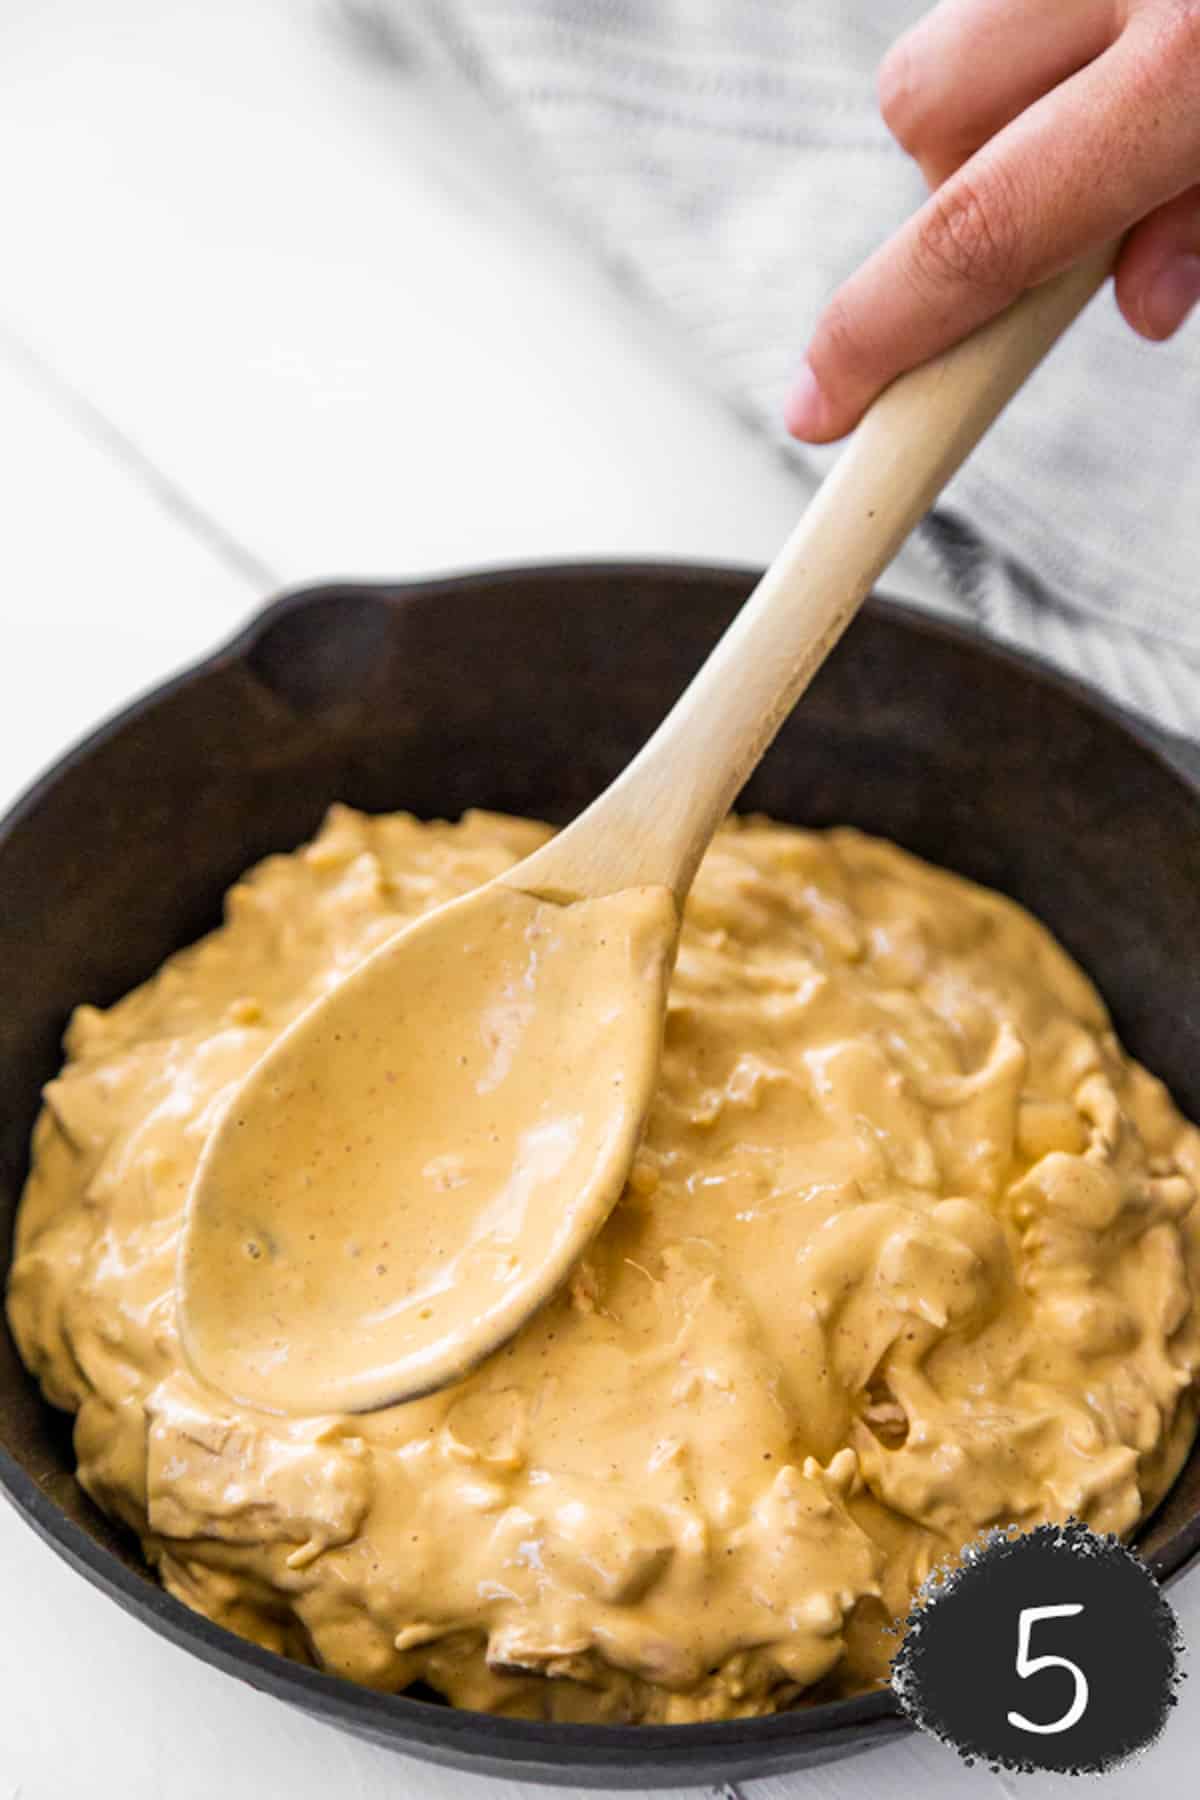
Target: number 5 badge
(1052, 1649)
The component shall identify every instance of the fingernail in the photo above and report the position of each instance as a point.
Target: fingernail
(806, 410)
(1172, 295)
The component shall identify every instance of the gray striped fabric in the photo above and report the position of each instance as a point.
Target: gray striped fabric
(728, 156)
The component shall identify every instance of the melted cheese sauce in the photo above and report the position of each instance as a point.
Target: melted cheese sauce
(908, 1250)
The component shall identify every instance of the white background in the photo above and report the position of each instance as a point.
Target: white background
(272, 310)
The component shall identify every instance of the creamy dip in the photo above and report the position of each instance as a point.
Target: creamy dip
(908, 1250)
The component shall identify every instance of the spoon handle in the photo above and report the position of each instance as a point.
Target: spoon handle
(652, 826)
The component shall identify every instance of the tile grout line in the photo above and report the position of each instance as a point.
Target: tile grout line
(75, 405)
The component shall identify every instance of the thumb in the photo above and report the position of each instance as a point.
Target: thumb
(1158, 274)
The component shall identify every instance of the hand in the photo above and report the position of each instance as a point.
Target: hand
(1045, 128)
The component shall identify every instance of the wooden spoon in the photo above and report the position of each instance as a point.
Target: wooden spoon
(416, 1163)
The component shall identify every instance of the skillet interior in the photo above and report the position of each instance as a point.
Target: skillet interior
(527, 690)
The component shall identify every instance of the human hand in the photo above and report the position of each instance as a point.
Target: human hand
(1045, 128)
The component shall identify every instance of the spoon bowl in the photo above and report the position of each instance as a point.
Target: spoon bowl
(415, 1164)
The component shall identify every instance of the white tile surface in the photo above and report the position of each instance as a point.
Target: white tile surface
(103, 591)
(349, 337)
(270, 313)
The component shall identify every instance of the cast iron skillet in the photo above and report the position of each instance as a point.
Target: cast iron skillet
(527, 690)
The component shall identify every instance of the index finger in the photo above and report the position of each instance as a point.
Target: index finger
(969, 66)
(1072, 172)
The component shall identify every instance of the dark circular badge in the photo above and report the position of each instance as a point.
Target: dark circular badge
(1048, 1649)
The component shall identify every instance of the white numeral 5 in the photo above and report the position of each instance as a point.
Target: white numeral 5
(1032, 1665)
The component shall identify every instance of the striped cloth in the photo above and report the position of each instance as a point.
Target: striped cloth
(728, 157)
